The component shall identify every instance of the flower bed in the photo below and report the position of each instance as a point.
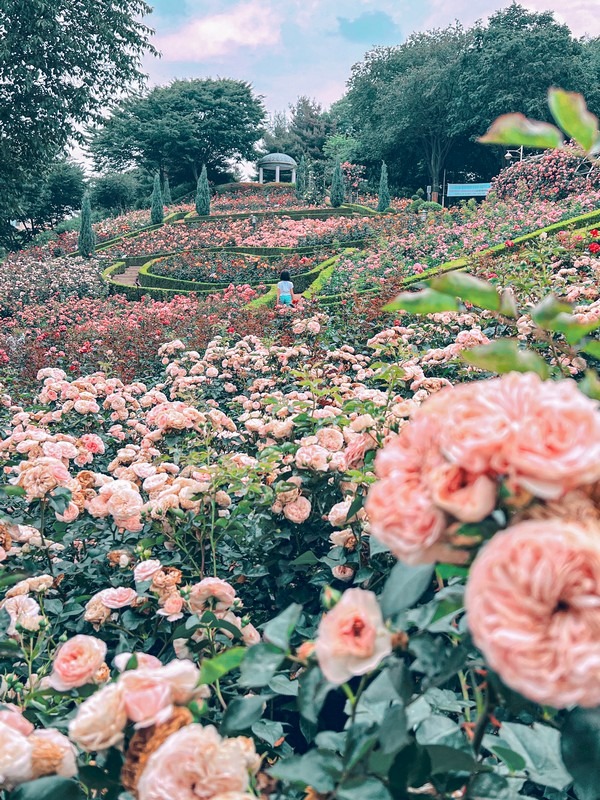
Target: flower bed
(269, 233)
(232, 267)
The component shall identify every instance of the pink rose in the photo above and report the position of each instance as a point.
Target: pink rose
(52, 754)
(116, 597)
(171, 606)
(15, 757)
(12, 716)
(352, 638)
(219, 592)
(404, 518)
(343, 573)
(76, 662)
(213, 766)
(468, 497)
(100, 720)
(533, 599)
(144, 661)
(70, 514)
(298, 510)
(331, 439)
(146, 696)
(146, 569)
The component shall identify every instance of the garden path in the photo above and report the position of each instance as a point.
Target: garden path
(129, 277)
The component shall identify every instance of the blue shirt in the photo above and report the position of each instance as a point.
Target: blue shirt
(285, 287)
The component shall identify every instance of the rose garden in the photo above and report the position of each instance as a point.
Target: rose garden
(344, 550)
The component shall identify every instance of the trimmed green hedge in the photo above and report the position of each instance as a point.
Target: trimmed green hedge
(316, 213)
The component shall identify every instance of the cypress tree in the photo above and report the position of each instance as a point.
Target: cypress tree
(301, 179)
(86, 243)
(156, 210)
(203, 195)
(384, 192)
(338, 192)
(167, 192)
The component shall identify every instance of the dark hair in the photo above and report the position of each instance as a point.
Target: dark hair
(285, 275)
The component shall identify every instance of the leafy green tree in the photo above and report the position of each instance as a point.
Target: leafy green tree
(86, 243)
(338, 192)
(167, 192)
(383, 200)
(60, 64)
(175, 129)
(115, 192)
(157, 212)
(203, 194)
(340, 147)
(301, 176)
(512, 61)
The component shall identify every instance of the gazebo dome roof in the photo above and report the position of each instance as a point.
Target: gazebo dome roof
(277, 160)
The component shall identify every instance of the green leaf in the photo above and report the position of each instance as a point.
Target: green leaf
(260, 664)
(279, 630)
(517, 130)
(446, 759)
(539, 745)
(468, 288)
(580, 749)
(242, 713)
(50, 788)
(363, 789)
(513, 761)
(570, 327)
(505, 355)
(268, 730)
(426, 301)
(281, 684)
(314, 688)
(12, 491)
(404, 587)
(549, 308)
(590, 385)
(214, 668)
(570, 111)
(319, 770)
(592, 348)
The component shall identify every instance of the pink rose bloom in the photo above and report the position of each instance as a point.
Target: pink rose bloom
(50, 742)
(23, 611)
(16, 753)
(146, 569)
(343, 573)
(298, 510)
(331, 439)
(117, 597)
(216, 590)
(404, 518)
(543, 434)
(533, 602)
(352, 638)
(146, 696)
(12, 716)
(468, 497)
(76, 662)
(144, 661)
(194, 764)
(250, 635)
(313, 456)
(171, 607)
(100, 720)
(70, 515)
(92, 443)
(182, 677)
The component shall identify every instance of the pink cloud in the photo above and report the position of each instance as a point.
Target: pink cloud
(249, 25)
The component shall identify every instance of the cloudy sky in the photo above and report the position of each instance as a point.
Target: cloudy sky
(286, 48)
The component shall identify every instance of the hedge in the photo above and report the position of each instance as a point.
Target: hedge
(193, 219)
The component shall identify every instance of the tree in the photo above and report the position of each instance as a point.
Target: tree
(404, 99)
(203, 194)
(340, 147)
(383, 201)
(309, 128)
(60, 64)
(167, 192)
(86, 243)
(301, 179)
(338, 192)
(511, 63)
(157, 213)
(116, 192)
(175, 129)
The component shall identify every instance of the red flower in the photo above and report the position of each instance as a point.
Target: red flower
(594, 233)
(231, 330)
(594, 247)
(509, 243)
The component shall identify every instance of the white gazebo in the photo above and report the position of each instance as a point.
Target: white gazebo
(278, 162)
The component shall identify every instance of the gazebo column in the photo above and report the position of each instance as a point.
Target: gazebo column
(277, 174)
(261, 175)
(294, 175)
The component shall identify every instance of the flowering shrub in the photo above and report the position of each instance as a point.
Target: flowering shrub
(285, 554)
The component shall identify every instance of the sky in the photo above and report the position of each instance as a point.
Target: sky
(288, 48)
